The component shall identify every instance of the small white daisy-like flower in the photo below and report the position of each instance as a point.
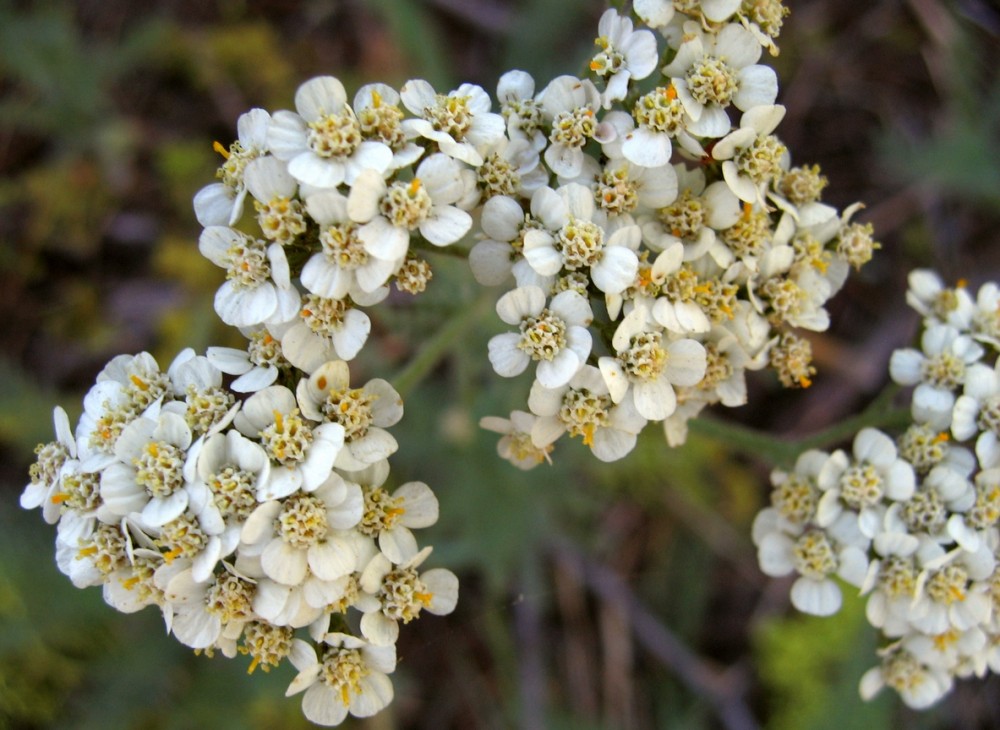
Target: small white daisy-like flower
(400, 593)
(460, 122)
(221, 203)
(381, 120)
(389, 213)
(203, 610)
(348, 675)
(298, 535)
(515, 444)
(938, 369)
(625, 54)
(575, 238)
(258, 365)
(859, 487)
(751, 156)
(363, 413)
(554, 336)
(928, 295)
(976, 412)
(646, 366)
(660, 117)
(713, 70)
(275, 192)
(148, 476)
(918, 685)
(323, 144)
(520, 109)
(258, 288)
(389, 518)
(570, 106)
(304, 452)
(583, 407)
(325, 329)
(46, 472)
(342, 264)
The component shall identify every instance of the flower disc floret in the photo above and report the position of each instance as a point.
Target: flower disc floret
(403, 595)
(574, 127)
(406, 204)
(795, 498)
(352, 409)
(246, 264)
(645, 357)
(266, 644)
(288, 438)
(183, 537)
(542, 336)
(861, 486)
(334, 135)
(342, 670)
(302, 521)
(230, 598)
(159, 468)
(925, 512)
(581, 243)
(281, 219)
(79, 491)
(712, 80)
(323, 315)
(381, 513)
(944, 370)
(234, 491)
(450, 114)
(660, 111)
(813, 555)
(761, 161)
(584, 412)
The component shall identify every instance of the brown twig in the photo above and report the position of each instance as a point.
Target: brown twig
(722, 690)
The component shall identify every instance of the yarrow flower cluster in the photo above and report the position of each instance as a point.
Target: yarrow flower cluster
(910, 522)
(655, 241)
(248, 522)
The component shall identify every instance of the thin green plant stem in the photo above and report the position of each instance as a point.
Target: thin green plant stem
(433, 350)
(783, 451)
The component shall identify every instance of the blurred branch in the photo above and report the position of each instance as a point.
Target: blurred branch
(721, 690)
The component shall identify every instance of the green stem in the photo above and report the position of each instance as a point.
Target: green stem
(434, 349)
(783, 452)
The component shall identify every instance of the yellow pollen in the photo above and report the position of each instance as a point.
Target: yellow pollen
(424, 598)
(804, 381)
(345, 695)
(86, 552)
(394, 512)
(321, 383)
(595, 66)
(130, 583)
(747, 210)
(820, 265)
(941, 437)
(306, 312)
(961, 283)
(376, 99)
(956, 593)
(279, 422)
(152, 449)
(414, 186)
(59, 497)
(139, 382)
(253, 665)
(943, 641)
(588, 434)
(217, 146)
(169, 557)
(671, 92)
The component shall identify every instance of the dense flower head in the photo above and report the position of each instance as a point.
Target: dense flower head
(914, 519)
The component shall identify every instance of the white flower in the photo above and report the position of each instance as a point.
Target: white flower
(304, 452)
(322, 144)
(583, 407)
(515, 444)
(390, 518)
(257, 366)
(389, 213)
(363, 413)
(325, 329)
(556, 337)
(516, 95)
(574, 238)
(348, 676)
(918, 685)
(460, 122)
(380, 118)
(400, 593)
(258, 288)
(570, 105)
(298, 535)
(927, 294)
(977, 412)
(148, 476)
(342, 264)
(859, 487)
(938, 369)
(713, 70)
(221, 203)
(503, 223)
(751, 156)
(626, 54)
(46, 472)
(646, 368)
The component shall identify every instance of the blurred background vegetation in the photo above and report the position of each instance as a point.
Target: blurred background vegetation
(592, 596)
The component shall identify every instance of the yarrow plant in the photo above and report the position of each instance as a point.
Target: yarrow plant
(654, 242)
